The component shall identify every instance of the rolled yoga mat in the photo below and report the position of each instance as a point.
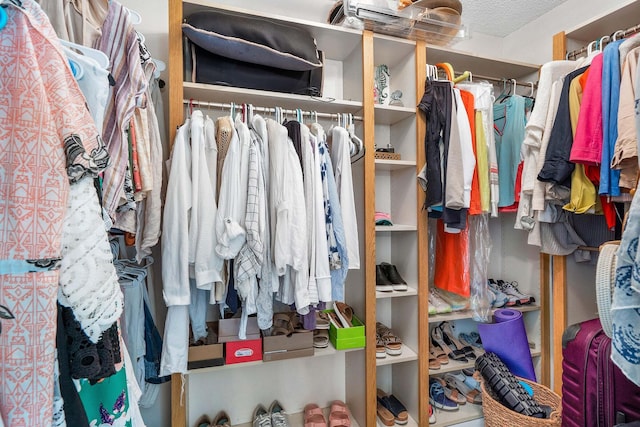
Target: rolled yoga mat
(507, 338)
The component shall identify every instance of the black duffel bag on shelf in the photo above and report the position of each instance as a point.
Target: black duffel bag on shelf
(252, 53)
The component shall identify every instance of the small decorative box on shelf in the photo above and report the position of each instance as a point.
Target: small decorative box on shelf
(387, 156)
(346, 338)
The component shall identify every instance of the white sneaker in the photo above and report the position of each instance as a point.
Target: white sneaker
(501, 299)
(440, 305)
(511, 289)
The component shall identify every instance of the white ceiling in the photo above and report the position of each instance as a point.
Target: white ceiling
(502, 17)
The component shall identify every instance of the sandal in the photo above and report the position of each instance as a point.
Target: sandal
(459, 355)
(333, 319)
(392, 344)
(385, 415)
(450, 338)
(321, 338)
(397, 409)
(439, 354)
(282, 324)
(381, 351)
(344, 313)
(471, 393)
(450, 392)
(339, 415)
(313, 416)
(322, 320)
(434, 363)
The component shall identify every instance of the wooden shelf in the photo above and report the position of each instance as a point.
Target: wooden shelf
(468, 314)
(297, 419)
(454, 365)
(412, 291)
(466, 412)
(481, 65)
(407, 355)
(395, 227)
(338, 43)
(319, 352)
(618, 18)
(392, 114)
(263, 98)
(392, 165)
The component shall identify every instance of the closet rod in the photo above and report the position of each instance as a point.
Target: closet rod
(500, 80)
(623, 34)
(262, 109)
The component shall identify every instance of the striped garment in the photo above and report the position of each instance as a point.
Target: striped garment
(119, 42)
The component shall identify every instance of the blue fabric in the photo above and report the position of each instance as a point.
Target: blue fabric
(153, 350)
(338, 276)
(509, 122)
(625, 307)
(232, 294)
(609, 178)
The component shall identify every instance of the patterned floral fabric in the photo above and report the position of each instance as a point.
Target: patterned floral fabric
(625, 307)
(47, 138)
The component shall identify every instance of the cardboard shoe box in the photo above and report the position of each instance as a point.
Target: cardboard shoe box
(281, 347)
(209, 354)
(235, 349)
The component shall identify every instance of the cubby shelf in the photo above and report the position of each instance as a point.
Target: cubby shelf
(410, 423)
(297, 419)
(392, 114)
(412, 291)
(395, 227)
(407, 355)
(454, 365)
(468, 314)
(466, 412)
(391, 165)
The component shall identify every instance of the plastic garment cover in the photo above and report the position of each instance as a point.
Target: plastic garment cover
(480, 252)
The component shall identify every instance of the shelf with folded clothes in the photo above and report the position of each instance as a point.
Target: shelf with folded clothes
(454, 365)
(407, 355)
(466, 412)
(468, 314)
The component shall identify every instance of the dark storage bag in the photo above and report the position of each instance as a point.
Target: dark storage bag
(252, 53)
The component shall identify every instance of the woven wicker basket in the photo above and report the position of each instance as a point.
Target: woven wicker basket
(387, 156)
(498, 415)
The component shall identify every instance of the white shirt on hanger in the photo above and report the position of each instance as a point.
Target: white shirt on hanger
(341, 156)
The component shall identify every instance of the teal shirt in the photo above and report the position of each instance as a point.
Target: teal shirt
(508, 127)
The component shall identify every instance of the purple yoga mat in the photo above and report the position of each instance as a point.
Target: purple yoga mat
(507, 338)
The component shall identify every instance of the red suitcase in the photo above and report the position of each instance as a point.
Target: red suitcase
(595, 393)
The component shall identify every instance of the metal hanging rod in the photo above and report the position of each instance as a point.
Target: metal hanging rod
(615, 36)
(223, 106)
(501, 80)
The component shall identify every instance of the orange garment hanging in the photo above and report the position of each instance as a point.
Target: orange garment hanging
(469, 104)
(452, 261)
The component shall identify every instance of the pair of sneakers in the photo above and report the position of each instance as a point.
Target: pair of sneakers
(221, 420)
(511, 291)
(274, 417)
(388, 279)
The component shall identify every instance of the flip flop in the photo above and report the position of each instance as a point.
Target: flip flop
(344, 313)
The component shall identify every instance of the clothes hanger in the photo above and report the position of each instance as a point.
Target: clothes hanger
(462, 77)
(100, 57)
(603, 40)
(447, 68)
(615, 35)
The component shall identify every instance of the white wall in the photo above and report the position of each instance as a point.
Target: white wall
(533, 42)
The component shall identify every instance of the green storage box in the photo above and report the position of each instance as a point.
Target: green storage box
(346, 338)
